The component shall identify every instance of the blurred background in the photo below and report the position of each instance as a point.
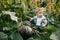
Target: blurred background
(12, 12)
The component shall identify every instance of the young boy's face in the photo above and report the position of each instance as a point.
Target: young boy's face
(39, 13)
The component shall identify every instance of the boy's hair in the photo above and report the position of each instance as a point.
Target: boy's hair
(39, 9)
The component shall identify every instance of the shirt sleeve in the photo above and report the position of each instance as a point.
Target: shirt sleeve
(44, 21)
(33, 18)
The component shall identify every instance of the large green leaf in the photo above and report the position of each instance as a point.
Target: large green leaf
(3, 36)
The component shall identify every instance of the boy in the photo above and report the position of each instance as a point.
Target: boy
(39, 19)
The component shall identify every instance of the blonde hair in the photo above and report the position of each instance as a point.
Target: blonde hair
(39, 9)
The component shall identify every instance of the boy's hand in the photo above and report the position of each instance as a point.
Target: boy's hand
(28, 17)
(44, 26)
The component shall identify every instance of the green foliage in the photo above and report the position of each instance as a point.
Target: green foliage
(50, 29)
(3, 36)
(9, 28)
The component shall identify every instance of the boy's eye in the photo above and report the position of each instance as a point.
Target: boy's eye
(39, 12)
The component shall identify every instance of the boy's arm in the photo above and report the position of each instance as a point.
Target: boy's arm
(30, 18)
(45, 23)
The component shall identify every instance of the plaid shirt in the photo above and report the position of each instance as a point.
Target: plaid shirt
(42, 21)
